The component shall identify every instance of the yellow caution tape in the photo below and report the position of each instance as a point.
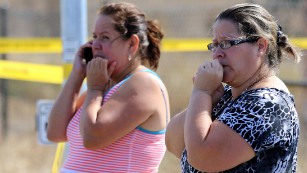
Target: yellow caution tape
(30, 45)
(31, 72)
(66, 70)
(299, 42)
(54, 45)
(56, 74)
(185, 45)
(58, 159)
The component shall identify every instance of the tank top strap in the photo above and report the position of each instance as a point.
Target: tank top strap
(143, 70)
(162, 91)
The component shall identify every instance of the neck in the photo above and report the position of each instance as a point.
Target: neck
(260, 75)
(131, 68)
(257, 80)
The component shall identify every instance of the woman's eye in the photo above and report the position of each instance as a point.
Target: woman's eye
(105, 37)
(224, 44)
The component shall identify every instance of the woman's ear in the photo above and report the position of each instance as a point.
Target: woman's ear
(262, 46)
(134, 44)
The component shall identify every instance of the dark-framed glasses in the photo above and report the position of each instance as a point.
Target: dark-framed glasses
(225, 44)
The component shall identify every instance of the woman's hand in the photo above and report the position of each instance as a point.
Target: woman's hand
(98, 73)
(79, 65)
(209, 77)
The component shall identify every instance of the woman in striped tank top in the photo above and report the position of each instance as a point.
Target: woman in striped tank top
(118, 124)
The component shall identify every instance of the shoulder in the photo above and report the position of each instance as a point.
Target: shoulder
(258, 104)
(259, 111)
(142, 83)
(252, 101)
(266, 97)
(257, 107)
(144, 79)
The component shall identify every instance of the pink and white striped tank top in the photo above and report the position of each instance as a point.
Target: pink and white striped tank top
(140, 150)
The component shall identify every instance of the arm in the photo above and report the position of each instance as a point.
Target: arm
(174, 138)
(63, 109)
(67, 102)
(132, 105)
(211, 146)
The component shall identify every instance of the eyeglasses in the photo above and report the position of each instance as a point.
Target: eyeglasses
(225, 44)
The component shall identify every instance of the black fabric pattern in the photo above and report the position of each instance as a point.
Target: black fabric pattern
(267, 119)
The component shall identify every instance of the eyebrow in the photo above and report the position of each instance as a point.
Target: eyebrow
(101, 33)
(227, 37)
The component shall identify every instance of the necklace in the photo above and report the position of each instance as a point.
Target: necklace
(256, 82)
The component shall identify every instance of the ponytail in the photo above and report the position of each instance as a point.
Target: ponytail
(154, 35)
(285, 47)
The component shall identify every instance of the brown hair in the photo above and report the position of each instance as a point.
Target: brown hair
(254, 20)
(129, 20)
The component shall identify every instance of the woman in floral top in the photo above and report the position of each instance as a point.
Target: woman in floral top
(250, 124)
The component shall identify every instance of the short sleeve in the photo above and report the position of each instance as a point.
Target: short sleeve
(261, 118)
(267, 119)
(245, 118)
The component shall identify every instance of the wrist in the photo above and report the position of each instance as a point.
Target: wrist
(93, 97)
(77, 75)
(101, 88)
(202, 91)
(200, 101)
(78, 71)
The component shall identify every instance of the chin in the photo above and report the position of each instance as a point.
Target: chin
(227, 77)
(225, 80)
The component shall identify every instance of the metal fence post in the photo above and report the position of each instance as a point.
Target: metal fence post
(73, 34)
(3, 82)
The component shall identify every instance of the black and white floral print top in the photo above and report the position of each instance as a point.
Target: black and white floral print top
(267, 119)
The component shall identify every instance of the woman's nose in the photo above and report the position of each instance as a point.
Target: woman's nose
(218, 53)
(96, 45)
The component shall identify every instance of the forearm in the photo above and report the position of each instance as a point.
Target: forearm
(88, 120)
(174, 137)
(198, 121)
(64, 108)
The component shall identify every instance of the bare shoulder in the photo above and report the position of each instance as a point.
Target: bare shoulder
(145, 81)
